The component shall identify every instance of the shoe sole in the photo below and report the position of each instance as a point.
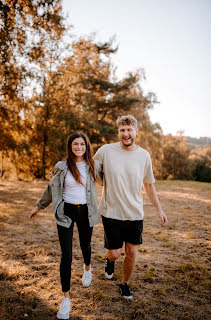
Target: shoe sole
(63, 317)
(108, 276)
(87, 285)
(127, 298)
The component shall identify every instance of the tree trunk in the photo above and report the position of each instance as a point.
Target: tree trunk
(45, 138)
(2, 169)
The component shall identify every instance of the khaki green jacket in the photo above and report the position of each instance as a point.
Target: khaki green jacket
(53, 193)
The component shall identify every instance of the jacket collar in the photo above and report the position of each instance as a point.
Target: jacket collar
(62, 164)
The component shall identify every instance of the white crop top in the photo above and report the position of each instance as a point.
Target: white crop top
(74, 192)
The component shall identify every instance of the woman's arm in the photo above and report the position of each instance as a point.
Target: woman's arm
(34, 212)
(46, 198)
(43, 202)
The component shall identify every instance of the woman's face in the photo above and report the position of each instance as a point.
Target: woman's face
(79, 148)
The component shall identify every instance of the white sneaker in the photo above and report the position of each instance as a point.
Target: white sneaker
(64, 311)
(87, 276)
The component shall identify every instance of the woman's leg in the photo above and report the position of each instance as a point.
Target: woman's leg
(65, 239)
(85, 234)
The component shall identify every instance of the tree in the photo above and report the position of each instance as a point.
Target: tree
(26, 27)
(201, 164)
(46, 98)
(93, 95)
(21, 25)
(82, 94)
(174, 161)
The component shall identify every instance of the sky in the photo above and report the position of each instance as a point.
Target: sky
(170, 40)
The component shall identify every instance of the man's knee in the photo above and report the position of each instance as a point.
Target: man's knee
(113, 254)
(131, 250)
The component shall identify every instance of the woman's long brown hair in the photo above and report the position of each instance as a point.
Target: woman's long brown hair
(71, 163)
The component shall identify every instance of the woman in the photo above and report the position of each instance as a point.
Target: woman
(73, 194)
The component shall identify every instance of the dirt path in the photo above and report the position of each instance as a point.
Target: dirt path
(171, 279)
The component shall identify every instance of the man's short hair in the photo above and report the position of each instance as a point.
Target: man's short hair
(127, 120)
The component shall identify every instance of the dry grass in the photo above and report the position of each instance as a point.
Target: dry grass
(171, 280)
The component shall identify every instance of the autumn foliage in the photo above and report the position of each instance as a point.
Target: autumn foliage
(51, 86)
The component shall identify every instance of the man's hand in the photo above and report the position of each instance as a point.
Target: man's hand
(163, 217)
(34, 212)
(151, 192)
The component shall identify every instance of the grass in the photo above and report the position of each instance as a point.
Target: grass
(171, 280)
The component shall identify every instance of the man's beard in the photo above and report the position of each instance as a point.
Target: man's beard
(129, 143)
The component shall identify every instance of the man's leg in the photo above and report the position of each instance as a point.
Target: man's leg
(128, 267)
(130, 260)
(112, 236)
(113, 254)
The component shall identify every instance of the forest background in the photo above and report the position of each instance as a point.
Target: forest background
(52, 85)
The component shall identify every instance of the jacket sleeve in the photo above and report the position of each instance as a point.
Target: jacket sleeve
(56, 168)
(45, 199)
(98, 172)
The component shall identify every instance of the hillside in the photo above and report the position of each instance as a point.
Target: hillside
(202, 142)
(171, 278)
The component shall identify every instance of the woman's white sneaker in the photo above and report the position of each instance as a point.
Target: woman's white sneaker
(87, 276)
(64, 311)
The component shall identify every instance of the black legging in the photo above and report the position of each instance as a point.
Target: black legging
(78, 214)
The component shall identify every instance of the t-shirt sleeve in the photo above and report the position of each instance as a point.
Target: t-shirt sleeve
(99, 155)
(148, 173)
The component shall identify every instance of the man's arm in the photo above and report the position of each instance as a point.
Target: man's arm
(151, 192)
(99, 172)
(98, 159)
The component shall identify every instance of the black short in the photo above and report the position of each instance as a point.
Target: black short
(116, 232)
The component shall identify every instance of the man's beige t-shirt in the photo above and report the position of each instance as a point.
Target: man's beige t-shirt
(124, 175)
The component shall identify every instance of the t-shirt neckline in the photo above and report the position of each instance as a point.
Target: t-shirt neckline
(127, 150)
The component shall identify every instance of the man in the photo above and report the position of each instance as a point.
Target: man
(126, 168)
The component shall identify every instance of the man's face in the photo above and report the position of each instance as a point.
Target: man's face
(127, 135)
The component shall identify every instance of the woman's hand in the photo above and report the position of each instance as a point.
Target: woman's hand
(34, 212)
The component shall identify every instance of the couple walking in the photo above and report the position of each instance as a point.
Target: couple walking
(122, 168)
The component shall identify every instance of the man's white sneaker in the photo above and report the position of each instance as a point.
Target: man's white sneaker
(64, 311)
(87, 276)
